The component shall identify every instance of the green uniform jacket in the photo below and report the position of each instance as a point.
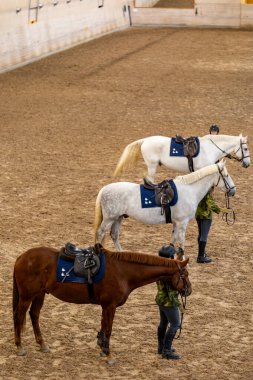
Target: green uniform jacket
(166, 296)
(206, 207)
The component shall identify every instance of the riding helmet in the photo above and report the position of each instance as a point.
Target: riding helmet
(214, 128)
(167, 251)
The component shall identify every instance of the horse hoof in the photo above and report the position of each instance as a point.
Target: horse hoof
(111, 361)
(103, 354)
(21, 352)
(45, 349)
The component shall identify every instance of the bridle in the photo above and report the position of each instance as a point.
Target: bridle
(228, 188)
(240, 147)
(230, 156)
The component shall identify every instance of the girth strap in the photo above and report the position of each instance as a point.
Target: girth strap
(91, 292)
(167, 211)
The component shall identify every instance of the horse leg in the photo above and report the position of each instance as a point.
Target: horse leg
(152, 167)
(181, 239)
(19, 321)
(177, 237)
(34, 315)
(174, 234)
(105, 226)
(115, 231)
(104, 335)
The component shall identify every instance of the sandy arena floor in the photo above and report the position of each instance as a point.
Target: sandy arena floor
(64, 123)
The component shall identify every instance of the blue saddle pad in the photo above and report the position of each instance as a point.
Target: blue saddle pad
(177, 149)
(148, 196)
(64, 270)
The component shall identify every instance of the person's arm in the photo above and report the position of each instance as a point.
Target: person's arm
(212, 204)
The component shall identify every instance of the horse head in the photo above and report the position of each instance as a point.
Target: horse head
(242, 151)
(180, 280)
(225, 182)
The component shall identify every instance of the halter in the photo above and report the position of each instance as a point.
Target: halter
(240, 147)
(224, 180)
(230, 156)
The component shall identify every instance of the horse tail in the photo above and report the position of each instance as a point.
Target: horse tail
(98, 214)
(130, 155)
(15, 302)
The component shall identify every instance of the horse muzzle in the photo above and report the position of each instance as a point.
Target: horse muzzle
(245, 164)
(231, 192)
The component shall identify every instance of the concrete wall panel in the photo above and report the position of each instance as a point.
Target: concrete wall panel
(206, 13)
(24, 39)
(247, 16)
(56, 28)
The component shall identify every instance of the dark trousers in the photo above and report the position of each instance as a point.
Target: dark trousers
(204, 226)
(169, 324)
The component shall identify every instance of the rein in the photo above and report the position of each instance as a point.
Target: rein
(229, 221)
(183, 297)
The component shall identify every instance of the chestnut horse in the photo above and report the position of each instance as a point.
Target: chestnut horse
(35, 275)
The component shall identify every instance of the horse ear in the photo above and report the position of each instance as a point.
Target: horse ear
(184, 262)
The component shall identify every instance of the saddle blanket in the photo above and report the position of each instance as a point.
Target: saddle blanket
(148, 196)
(177, 149)
(65, 272)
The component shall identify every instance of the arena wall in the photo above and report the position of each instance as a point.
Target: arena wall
(206, 13)
(145, 3)
(31, 29)
(51, 25)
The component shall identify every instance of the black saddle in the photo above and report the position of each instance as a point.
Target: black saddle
(163, 191)
(190, 148)
(72, 250)
(164, 194)
(86, 260)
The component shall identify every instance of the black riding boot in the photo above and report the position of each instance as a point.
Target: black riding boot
(202, 256)
(160, 337)
(168, 352)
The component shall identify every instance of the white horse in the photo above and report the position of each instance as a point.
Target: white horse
(122, 199)
(155, 151)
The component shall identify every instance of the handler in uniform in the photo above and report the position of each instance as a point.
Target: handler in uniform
(169, 304)
(204, 215)
(214, 129)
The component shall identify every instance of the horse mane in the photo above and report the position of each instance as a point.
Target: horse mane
(196, 176)
(218, 138)
(140, 258)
